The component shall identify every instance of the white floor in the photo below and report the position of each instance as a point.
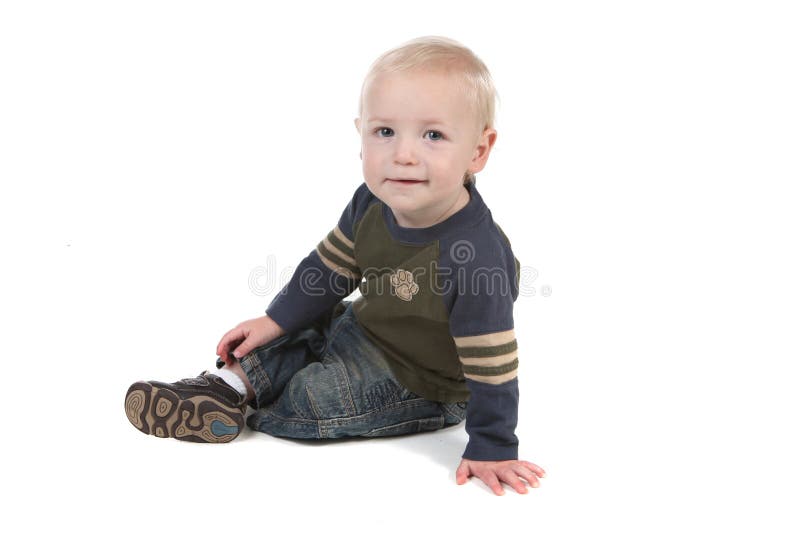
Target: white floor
(637, 432)
(165, 165)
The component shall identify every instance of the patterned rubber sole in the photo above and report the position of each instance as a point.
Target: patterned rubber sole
(161, 413)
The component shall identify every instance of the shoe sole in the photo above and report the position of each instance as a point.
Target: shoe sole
(160, 412)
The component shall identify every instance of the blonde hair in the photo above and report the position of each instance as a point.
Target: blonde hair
(441, 53)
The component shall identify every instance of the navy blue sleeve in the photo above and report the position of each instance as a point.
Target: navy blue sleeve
(482, 326)
(491, 421)
(326, 276)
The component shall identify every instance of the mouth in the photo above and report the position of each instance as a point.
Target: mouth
(405, 181)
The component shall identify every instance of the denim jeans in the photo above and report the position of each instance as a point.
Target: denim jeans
(329, 380)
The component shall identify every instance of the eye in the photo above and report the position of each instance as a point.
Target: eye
(383, 130)
(437, 135)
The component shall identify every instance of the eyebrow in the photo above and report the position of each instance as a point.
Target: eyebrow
(425, 121)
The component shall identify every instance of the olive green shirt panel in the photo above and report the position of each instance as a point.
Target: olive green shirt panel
(402, 310)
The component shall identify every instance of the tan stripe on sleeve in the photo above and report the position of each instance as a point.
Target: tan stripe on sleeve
(333, 250)
(486, 340)
(338, 269)
(494, 380)
(338, 233)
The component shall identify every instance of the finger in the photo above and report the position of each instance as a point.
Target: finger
(533, 467)
(490, 479)
(510, 477)
(462, 473)
(223, 344)
(231, 337)
(527, 474)
(243, 349)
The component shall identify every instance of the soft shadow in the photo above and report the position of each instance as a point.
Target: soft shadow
(444, 446)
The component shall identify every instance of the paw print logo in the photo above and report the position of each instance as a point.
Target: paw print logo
(404, 285)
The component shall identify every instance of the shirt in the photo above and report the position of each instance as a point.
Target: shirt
(438, 301)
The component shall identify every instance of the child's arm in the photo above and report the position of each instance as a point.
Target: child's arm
(327, 275)
(490, 369)
(324, 277)
(482, 326)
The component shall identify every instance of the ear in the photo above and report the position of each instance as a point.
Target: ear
(484, 147)
(357, 122)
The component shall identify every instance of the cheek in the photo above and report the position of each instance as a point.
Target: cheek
(370, 165)
(444, 164)
(375, 152)
(368, 158)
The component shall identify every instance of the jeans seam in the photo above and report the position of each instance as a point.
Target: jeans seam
(312, 402)
(384, 408)
(270, 414)
(438, 418)
(457, 415)
(345, 420)
(341, 370)
(260, 375)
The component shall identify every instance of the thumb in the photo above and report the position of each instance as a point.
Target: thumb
(243, 348)
(462, 473)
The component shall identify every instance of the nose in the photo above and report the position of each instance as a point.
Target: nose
(404, 152)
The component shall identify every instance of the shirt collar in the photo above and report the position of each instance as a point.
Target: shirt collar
(466, 216)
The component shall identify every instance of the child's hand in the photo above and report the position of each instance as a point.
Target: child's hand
(248, 336)
(508, 471)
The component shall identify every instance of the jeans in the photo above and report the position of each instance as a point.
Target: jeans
(328, 380)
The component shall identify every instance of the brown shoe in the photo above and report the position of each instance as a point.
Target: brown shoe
(203, 409)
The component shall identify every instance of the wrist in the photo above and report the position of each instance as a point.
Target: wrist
(274, 327)
(485, 452)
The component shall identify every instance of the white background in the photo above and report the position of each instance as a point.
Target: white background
(155, 154)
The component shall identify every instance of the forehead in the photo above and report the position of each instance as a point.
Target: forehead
(429, 95)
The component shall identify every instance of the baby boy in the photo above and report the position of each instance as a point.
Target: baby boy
(430, 341)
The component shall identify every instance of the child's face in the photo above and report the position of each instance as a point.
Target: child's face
(419, 126)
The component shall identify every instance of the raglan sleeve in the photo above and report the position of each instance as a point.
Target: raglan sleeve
(326, 276)
(482, 326)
